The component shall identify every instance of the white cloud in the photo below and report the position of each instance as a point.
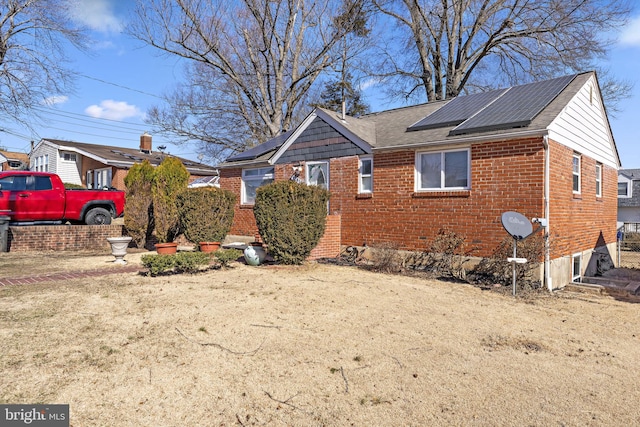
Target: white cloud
(53, 100)
(113, 110)
(631, 33)
(370, 82)
(96, 14)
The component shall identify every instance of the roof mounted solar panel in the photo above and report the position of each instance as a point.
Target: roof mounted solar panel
(457, 110)
(517, 107)
(261, 149)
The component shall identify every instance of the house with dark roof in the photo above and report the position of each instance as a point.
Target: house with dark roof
(10, 160)
(544, 150)
(99, 166)
(629, 199)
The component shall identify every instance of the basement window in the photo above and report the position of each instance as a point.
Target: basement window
(576, 268)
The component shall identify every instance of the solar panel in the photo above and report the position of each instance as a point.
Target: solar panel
(457, 110)
(261, 149)
(517, 107)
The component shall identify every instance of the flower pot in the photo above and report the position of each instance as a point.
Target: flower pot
(209, 246)
(167, 248)
(119, 247)
(254, 254)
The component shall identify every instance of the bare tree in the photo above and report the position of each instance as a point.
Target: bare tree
(453, 45)
(251, 63)
(33, 34)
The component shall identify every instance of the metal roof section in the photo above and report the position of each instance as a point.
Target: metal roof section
(457, 110)
(516, 107)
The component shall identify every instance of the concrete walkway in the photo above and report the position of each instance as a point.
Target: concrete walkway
(26, 280)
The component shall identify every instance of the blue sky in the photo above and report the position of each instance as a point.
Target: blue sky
(121, 78)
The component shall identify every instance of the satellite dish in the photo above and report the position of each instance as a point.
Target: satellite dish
(517, 225)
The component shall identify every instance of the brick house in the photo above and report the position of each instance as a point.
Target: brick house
(98, 166)
(629, 199)
(543, 149)
(10, 160)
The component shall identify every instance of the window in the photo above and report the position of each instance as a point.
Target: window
(365, 175)
(101, 179)
(251, 180)
(576, 267)
(598, 180)
(624, 189)
(576, 173)
(68, 157)
(318, 174)
(41, 163)
(443, 170)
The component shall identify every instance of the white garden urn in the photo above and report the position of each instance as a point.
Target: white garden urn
(119, 248)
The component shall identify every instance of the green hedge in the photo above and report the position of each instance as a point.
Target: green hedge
(291, 219)
(206, 213)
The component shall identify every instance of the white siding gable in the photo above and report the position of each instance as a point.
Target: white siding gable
(69, 170)
(47, 153)
(583, 126)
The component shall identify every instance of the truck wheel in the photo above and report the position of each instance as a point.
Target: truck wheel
(98, 216)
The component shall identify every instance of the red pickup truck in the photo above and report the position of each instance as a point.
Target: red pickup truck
(40, 198)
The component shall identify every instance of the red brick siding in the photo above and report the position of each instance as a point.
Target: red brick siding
(329, 245)
(505, 175)
(580, 222)
(62, 237)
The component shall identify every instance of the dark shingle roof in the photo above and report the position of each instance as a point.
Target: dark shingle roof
(525, 108)
(630, 173)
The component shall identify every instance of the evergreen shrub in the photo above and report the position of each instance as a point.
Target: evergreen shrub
(182, 262)
(291, 219)
(169, 179)
(206, 213)
(138, 215)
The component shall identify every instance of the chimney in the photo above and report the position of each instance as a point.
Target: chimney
(145, 143)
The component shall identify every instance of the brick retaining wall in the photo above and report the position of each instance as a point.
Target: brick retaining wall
(61, 237)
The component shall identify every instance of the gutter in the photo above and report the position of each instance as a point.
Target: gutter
(483, 138)
(547, 254)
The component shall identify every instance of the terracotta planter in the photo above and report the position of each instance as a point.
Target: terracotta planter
(167, 248)
(209, 246)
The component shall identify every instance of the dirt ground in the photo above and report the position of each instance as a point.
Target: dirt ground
(311, 345)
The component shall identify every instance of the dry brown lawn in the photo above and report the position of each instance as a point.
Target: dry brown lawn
(311, 345)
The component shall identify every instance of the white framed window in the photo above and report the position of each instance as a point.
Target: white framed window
(251, 180)
(102, 178)
(68, 157)
(598, 180)
(365, 175)
(576, 173)
(318, 174)
(625, 189)
(46, 163)
(443, 170)
(576, 267)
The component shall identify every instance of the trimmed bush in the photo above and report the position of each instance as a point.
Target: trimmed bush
(206, 213)
(291, 219)
(225, 256)
(169, 179)
(182, 262)
(138, 215)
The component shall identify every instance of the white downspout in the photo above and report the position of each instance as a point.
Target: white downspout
(547, 255)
